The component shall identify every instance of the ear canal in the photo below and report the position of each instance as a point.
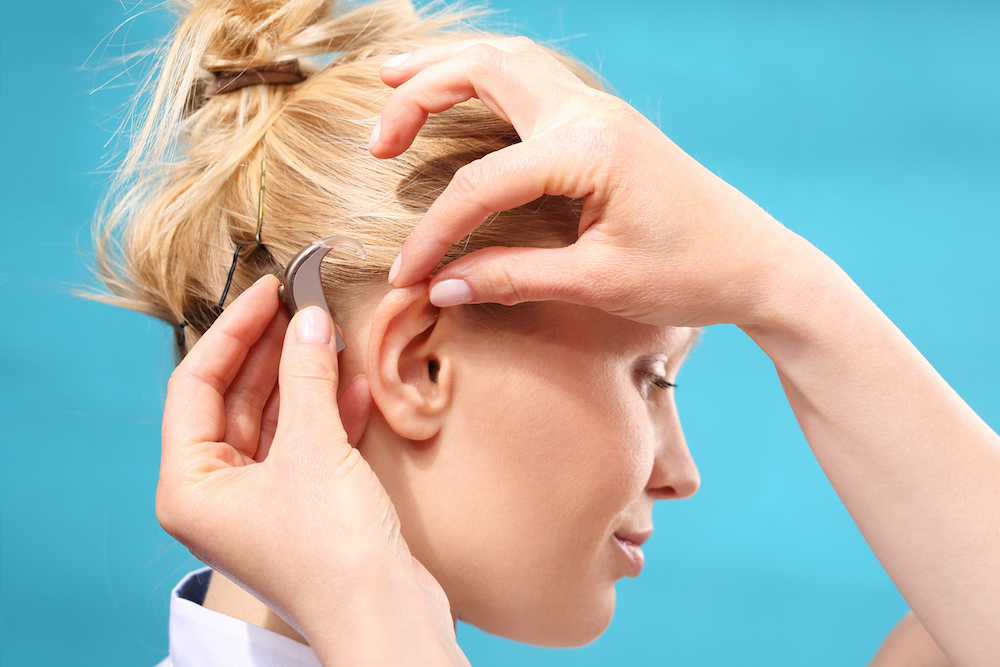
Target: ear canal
(433, 368)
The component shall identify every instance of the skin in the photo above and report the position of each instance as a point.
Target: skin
(533, 446)
(914, 465)
(586, 479)
(543, 441)
(662, 242)
(228, 442)
(576, 346)
(909, 645)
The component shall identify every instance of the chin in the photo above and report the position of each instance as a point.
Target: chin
(576, 624)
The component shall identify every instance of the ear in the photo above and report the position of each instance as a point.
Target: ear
(408, 365)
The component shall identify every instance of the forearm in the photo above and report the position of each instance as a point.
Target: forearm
(918, 470)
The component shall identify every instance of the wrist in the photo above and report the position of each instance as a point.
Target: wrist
(385, 615)
(803, 298)
(821, 328)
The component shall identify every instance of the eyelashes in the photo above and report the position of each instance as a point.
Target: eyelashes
(661, 382)
(651, 373)
(651, 381)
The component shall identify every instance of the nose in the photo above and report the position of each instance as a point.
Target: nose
(674, 473)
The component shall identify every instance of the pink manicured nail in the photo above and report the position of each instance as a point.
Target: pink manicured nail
(313, 326)
(374, 138)
(394, 269)
(452, 292)
(396, 61)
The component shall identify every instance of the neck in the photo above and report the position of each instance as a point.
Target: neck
(227, 598)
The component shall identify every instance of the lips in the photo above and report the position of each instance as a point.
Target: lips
(630, 543)
(637, 537)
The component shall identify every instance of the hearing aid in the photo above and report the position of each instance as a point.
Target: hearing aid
(302, 286)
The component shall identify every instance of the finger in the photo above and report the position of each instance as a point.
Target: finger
(355, 406)
(307, 380)
(253, 386)
(401, 68)
(195, 410)
(573, 166)
(515, 89)
(268, 425)
(514, 275)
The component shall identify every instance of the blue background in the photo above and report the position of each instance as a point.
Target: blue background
(873, 129)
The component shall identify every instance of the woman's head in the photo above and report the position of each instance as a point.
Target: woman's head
(523, 446)
(523, 460)
(188, 191)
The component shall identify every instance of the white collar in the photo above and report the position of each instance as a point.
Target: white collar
(200, 637)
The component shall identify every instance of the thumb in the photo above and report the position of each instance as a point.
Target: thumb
(513, 275)
(307, 380)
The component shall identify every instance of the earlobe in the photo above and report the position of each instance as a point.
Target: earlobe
(409, 367)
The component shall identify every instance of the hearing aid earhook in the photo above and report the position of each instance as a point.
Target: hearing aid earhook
(302, 286)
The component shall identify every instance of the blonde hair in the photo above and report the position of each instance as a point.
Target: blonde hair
(187, 191)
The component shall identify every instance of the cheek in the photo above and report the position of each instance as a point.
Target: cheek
(541, 474)
(570, 449)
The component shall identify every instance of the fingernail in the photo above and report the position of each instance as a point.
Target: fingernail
(313, 326)
(394, 269)
(396, 61)
(374, 138)
(452, 292)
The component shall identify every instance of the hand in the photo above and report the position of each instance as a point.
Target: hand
(276, 498)
(665, 242)
(662, 240)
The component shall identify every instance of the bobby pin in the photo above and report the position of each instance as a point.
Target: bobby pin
(260, 223)
(229, 278)
(179, 334)
(260, 192)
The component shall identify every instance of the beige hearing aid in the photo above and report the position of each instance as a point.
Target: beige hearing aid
(302, 286)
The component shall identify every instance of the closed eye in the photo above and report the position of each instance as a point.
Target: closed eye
(651, 373)
(654, 380)
(661, 382)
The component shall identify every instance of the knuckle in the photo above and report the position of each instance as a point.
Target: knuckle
(605, 128)
(310, 365)
(312, 394)
(252, 396)
(176, 378)
(467, 185)
(620, 119)
(412, 107)
(465, 180)
(602, 130)
(485, 59)
(593, 139)
(506, 290)
(521, 44)
(310, 377)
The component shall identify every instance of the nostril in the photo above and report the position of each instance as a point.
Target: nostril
(666, 493)
(678, 490)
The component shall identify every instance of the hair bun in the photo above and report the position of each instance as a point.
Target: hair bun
(243, 34)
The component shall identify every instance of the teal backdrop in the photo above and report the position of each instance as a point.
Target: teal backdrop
(873, 129)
